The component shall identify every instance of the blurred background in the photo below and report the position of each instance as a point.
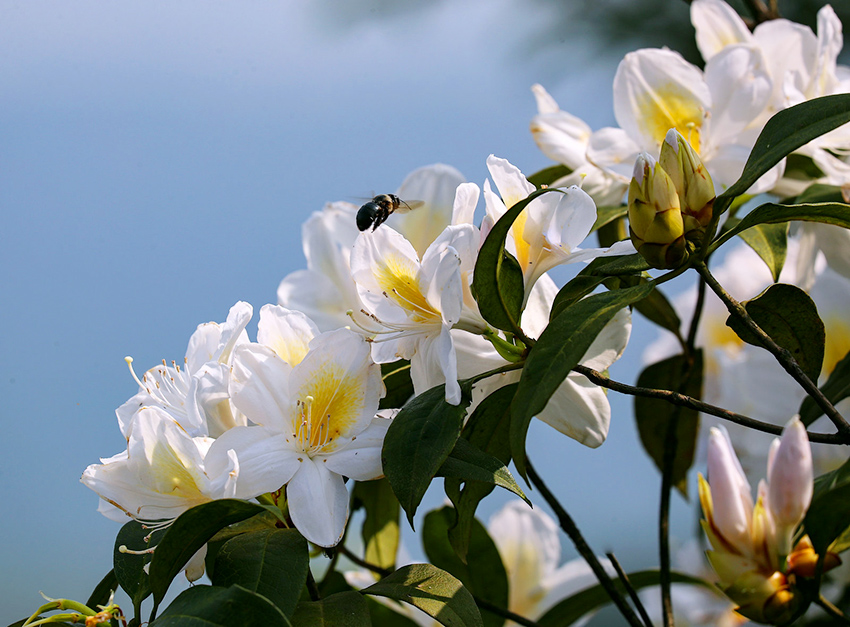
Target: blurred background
(156, 162)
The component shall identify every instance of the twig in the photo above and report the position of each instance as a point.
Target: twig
(783, 356)
(671, 443)
(383, 572)
(676, 398)
(624, 579)
(830, 609)
(312, 588)
(584, 549)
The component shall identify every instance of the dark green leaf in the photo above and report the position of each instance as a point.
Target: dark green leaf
(418, 441)
(589, 600)
(211, 606)
(547, 176)
(488, 429)
(770, 241)
(389, 614)
(828, 515)
(344, 609)
(836, 388)
(484, 576)
(788, 315)
(561, 347)
(398, 383)
(102, 592)
(380, 529)
(612, 232)
(433, 591)
(771, 213)
(655, 307)
(272, 563)
(129, 568)
(654, 416)
(497, 301)
(818, 193)
(613, 266)
(784, 133)
(801, 168)
(469, 463)
(188, 533)
(577, 288)
(604, 215)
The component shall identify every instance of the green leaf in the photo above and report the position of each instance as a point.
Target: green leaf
(560, 348)
(398, 384)
(829, 513)
(343, 609)
(101, 593)
(485, 576)
(770, 241)
(212, 606)
(272, 562)
(188, 533)
(129, 568)
(589, 600)
(488, 429)
(469, 463)
(819, 193)
(655, 307)
(784, 133)
(433, 591)
(788, 315)
(576, 288)
(392, 616)
(836, 388)
(495, 281)
(418, 441)
(772, 213)
(613, 266)
(547, 176)
(605, 215)
(380, 530)
(654, 416)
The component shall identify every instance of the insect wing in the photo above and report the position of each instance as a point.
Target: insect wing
(407, 205)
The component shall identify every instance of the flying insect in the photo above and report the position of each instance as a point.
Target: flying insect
(375, 212)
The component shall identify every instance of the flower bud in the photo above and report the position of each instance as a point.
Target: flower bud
(692, 182)
(655, 217)
(790, 481)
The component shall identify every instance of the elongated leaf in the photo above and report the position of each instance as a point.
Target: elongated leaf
(418, 441)
(129, 568)
(187, 534)
(101, 593)
(605, 215)
(828, 516)
(613, 266)
(212, 606)
(576, 288)
(589, 600)
(272, 563)
(770, 241)
(655, 307)
(788, 315)
(784, 133)
(434, 591)
(485, 576)
(654, 416)
(398, 384)
(547, 176)
(346, 609)
(469, 463)
(488, 429)
(818, 193)
(836, 388)
(496, 300)
(771, 213)
(560, 348)
(380, 530)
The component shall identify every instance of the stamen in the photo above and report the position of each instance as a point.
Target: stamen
(415, 306)
(123, 549)
(129, 361)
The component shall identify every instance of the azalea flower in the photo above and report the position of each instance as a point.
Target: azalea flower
(416, 303)
(316, 423)
(195, 395)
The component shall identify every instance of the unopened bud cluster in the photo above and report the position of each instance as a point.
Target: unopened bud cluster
(670, 202)
(752, 552)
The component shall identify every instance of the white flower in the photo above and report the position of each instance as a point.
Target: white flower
(195, 395)
(317, 423)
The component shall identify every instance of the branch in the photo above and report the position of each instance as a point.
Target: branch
(633, 595)
(675, 398)
(584, 549)
(783, 356)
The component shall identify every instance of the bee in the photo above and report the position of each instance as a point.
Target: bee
(375, 212)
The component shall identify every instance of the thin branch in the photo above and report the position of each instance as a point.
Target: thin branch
(671, 443)
(624, 579)
(676, 398)
(383, 572)
(312, 588)
(783, 356)
(584, 549)
(830, 609)
(692, 331)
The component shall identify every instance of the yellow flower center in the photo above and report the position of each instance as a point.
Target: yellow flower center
(668, 107)
(398, 278)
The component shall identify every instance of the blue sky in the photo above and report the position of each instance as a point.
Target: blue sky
(156, 162)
